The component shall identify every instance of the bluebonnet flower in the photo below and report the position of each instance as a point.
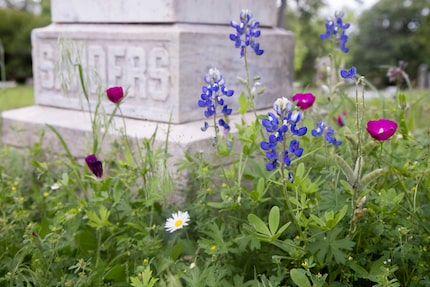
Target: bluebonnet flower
(282, 105)
(292, 118)
(278, 125)
(329, 133)
(212, 98)
(271, 123)
(348, 74)
(295, 149)
(336, 29)
(248, 29)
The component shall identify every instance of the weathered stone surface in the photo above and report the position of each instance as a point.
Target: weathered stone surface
(423, 81)
(22, 128)
(161, 66)
(159, 11)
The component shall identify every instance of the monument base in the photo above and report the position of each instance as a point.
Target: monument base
(22, 128)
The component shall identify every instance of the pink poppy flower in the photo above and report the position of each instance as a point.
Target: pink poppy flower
(382, 129)
(115, 94)
(304, 101)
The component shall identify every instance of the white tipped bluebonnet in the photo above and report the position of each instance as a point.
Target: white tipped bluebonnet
(278, 125)
(248, 30)
(212, 99)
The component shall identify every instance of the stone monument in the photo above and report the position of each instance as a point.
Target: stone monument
(423, 77)
(159, 51)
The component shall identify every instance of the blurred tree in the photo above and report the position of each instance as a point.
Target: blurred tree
(32, 6)
(303, 20)
(15, 30)
(392, 30)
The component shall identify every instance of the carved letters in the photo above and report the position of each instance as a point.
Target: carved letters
(143, 71)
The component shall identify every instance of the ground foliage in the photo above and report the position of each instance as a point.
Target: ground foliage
(354, 214)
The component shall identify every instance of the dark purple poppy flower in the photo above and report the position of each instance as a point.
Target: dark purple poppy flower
(94, 165)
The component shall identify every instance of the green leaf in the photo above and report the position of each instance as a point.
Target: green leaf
(259, 225)
(368, 178)
(260, 186)
(359, 271)
(318, 221)
(346, 169)
(274, 219)
(402, 123)
(218, 205)
(86, 240)
(300, 171)
(299, 277)
(116, 273)
(148, 280)
(135, 282)
(244, 104)
(176, 250)
(294, 201)
(101, 220)
(328, 248)
(350, 138)
(280, 230)
(333, 220)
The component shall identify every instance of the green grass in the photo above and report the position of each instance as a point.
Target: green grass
(12, 98)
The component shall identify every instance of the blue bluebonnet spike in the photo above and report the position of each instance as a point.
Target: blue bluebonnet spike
(329, 133)
(348, 74)
(246, 33)
(337, 29)
(278, 125)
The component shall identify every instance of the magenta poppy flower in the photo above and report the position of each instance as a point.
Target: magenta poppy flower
(382, 129)
(115, 94)
(341, 119)
(304, 101)
(94, 165)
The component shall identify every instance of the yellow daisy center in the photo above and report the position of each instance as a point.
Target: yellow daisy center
(178, 222)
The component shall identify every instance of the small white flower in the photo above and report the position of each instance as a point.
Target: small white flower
(177, 221)
(55, 186)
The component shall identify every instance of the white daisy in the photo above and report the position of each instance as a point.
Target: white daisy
(177, 221)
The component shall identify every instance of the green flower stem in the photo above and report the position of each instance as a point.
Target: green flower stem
(127, 141)
(106, 128)
(251, 98)
(359, 115)
(240, 171)
(99, 239)
(285, 192)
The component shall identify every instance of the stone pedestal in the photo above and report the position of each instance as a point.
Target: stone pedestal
(218, 12)
(159, 51)
(22, 127)
(161, 66)
(423, 77)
